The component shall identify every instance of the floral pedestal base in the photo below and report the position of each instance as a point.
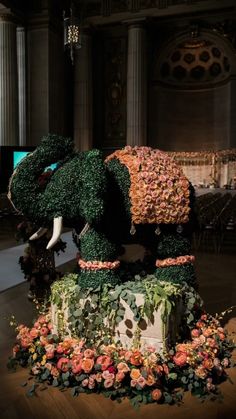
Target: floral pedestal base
(139, 311)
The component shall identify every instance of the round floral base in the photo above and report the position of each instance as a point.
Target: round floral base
(197, 364)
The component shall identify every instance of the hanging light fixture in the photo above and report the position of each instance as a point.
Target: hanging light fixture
(72, 32)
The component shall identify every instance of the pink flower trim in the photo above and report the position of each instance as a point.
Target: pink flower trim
(180, 260)
(96, 265)
(159, 191)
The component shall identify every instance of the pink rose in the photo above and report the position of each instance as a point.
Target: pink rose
(108, 383)
(85, 382)
(44, 331)
(141, 382)
(54, 371)
(91, 383)
(195, 333)
(63, 364)
(180, 358)
(76, 365)
(104, 361)
(225, 362)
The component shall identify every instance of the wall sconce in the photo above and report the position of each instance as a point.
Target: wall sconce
(72, 33)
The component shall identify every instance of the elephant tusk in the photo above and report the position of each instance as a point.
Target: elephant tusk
(84, 230)
(57, 229)
(41, 231)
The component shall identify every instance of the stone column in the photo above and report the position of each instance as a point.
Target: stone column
(83, 95)
(21, 67)
(8, 82)
(136, 86)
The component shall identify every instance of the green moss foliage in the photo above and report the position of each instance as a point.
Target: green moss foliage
(94, 279)
(171, 246)
(120, 184)
(93, 181)
(177, 274)
(95, 246)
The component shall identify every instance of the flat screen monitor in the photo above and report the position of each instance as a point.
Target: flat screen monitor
(20, 154)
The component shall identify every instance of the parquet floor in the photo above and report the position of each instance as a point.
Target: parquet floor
(217, 279)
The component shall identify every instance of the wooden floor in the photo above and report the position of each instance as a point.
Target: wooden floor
(217, 279)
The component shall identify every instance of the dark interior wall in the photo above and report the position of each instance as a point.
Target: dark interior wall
(190, 120)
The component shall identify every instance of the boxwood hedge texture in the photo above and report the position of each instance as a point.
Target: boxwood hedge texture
(85, 188)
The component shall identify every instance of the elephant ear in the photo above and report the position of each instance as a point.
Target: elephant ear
(93, 186)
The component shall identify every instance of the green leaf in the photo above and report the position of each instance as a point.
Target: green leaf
(55, 382)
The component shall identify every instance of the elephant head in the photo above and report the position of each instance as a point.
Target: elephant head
(68, 193)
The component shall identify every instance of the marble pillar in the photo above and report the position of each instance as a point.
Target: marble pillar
(136, 86)
(8, 82)
(83, 95)
(21, 67)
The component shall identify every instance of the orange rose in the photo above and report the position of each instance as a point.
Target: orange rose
(150, 380)
(201, 372)
(87, 364)
(135, 374)
(136, 358)
(156, 394)
(208, 363)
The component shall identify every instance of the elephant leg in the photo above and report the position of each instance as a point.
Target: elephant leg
(98, 260)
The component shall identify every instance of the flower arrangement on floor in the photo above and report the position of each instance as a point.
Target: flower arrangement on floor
(198, 364)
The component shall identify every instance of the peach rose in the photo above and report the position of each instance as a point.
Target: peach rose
(207, 332)
(122, 366)
(180, 359)
(88, 353)
(26, 342)
(156, 394)
(34, 333)
(135, 374)
(120, 376)
(87, 364)
(55, 372)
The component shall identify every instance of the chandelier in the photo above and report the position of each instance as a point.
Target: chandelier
(72, 33)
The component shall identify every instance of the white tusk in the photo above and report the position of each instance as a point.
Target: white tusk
(85, 229)
(57, 229)
(41, 231)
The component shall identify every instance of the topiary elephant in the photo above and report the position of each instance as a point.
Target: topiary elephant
(133, 194)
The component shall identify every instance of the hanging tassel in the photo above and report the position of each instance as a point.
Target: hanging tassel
(133, 229)
(179, 229)
(158, 231)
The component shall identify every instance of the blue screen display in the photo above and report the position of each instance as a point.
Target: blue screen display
(19, 155)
